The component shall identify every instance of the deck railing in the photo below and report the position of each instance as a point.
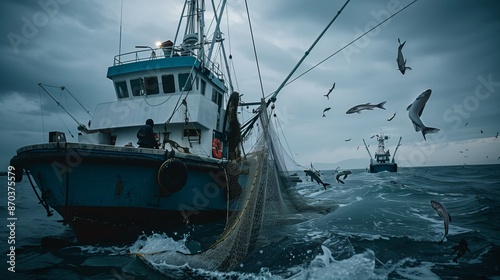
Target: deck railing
(162, 53)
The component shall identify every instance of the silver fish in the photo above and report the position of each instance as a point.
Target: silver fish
(415, 111)
(443, 213)
(367, 106)
(390, 119)
(401, 61)
(342, 173)
(315, 176)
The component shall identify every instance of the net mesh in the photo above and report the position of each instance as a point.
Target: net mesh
(260, 195)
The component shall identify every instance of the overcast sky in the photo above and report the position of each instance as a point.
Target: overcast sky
(452, 47)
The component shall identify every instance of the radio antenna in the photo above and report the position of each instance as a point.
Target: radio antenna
(120, 43)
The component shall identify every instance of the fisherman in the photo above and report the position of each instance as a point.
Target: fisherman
(146, 136)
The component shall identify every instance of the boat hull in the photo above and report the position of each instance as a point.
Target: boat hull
(111, 225)
(112, 194)
(390, 167)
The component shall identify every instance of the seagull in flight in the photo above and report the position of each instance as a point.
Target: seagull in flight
(330, 91)
(326, 109)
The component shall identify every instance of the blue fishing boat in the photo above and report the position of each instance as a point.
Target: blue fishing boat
(109, 189)
(382, 160)
(169, 153)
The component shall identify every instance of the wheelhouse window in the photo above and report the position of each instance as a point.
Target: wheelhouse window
(168, 83)
(185, 82)
(151, 85)
(203, 86)
(214, 96)
(136, 85)
(217, 97)
(121, 89)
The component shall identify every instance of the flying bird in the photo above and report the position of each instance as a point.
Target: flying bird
(347, 140)
(367, 106)
(330, 91)
(326, 109)
(390, 119)
(415, 111)
(401, 61)
(481, 131)
(466, 124)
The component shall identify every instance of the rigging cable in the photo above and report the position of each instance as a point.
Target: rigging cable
(286, 141)
(230, 51)
(41, 113)
(254, 49)
(285, 81)
(60, 118)
(347, 45)
(65, 88)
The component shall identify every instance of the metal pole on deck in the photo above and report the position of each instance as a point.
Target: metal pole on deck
(367, 150)
(273, 98)
(395, 151)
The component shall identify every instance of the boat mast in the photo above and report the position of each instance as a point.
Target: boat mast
(394, 155)
(273, 97)
(81, 126)
(371, 158)
(218, 38)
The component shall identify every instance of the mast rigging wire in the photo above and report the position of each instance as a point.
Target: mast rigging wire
(285, 81)
(41, 114)
(254, 48)
(273, 97)
(347, 45)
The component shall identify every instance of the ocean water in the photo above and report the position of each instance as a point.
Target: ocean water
(384, 228)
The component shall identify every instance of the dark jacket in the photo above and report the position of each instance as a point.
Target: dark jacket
(146, 137)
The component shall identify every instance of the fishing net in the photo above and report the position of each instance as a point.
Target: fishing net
(260, 195)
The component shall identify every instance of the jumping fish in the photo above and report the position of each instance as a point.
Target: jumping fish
(461, 248)
(342, 173)
(367, 106)
(390, 119)
(315, 176)
(415, 111)
(401, 61)
(441, 210)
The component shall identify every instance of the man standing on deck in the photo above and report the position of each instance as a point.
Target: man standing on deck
(146, 136)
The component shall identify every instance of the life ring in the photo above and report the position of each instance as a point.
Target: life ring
(172, 176)
(216, 148)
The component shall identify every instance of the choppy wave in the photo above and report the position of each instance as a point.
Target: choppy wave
(384, 228)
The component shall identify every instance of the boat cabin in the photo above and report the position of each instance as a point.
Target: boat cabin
(184, 95)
